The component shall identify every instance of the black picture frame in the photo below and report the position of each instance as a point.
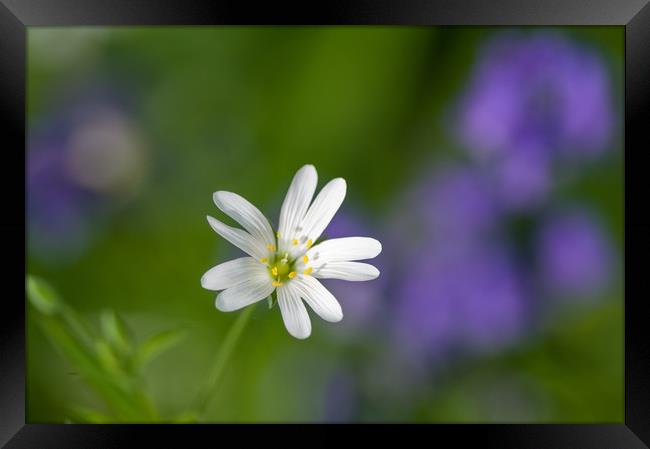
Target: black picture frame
(633, 15)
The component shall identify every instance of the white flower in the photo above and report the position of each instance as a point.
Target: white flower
(287, 260)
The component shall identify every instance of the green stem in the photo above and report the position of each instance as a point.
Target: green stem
(228, 346)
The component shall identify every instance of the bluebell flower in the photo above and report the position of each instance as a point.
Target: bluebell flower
(58, 211)
(534, 102)
(574, 255)
(81, 154)
(472, 299)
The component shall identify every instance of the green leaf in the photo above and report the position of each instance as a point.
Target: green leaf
(77, 325)
(156, 345)
(86, 362)
(116, 332)
(107, 356)
(96, 360)
(42, 295)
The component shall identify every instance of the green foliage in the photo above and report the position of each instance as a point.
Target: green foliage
(42, 295)
(115, 332)
(109, 361)
(156, 345)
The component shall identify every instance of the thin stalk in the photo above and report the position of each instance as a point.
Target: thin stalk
(226, 350)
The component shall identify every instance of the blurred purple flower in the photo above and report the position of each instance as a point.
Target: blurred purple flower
(81, 153)
(472, 298)
(533, 101)
(574, 255)
(540, 88)
(521, 178)
(57, 209)
(456, 203)
(450, 205)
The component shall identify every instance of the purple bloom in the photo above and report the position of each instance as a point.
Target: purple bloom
(521, 178)
(534, 101)
(471, 298)
(574, 255)
(493, 301)
(78, 155)
(539, 88)
(452, 289)
(453, 204)
(457, 202)
(424, 318)
(58, 211)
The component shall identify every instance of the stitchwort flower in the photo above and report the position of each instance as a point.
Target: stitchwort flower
(288, 262)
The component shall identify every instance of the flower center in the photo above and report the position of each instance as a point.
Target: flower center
(281, 268)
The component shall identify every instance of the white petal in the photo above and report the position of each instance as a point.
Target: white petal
(231, 273)
(343, 249)
(321, 212)
(247, 215)
(241, 239)
(248, 292)
(294, 313)
(348, 271)
(296, 203)
(319, 298)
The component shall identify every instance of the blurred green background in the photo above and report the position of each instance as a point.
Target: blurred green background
(159, 118)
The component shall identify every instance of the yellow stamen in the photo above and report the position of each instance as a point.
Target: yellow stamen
(274, 271)
(309, 243)
(305, 259)
(277, 234)
(270, 247)
(292, 275)
(264, 259)
(276, 283)
(295, 242)
(308, 270)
